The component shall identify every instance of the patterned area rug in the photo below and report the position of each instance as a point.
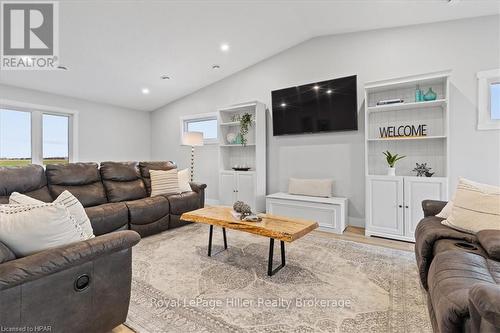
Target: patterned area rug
(328, 285)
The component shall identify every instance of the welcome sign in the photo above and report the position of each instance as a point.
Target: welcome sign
(403, 131)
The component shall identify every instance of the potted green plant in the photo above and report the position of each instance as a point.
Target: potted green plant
(245, 123)
(391, 161)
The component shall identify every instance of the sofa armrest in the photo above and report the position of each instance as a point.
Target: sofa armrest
(200, 189)
(432, 207)
(6, 254)
(484, 307)
(490, 241)
(41, 264)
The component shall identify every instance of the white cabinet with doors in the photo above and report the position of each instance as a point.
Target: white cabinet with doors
(394, 204)
(246, 186)
(237, 185)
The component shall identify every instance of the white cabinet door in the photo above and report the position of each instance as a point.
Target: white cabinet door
(385, 205)
(245, 189)
(227, 188)
(418, 189)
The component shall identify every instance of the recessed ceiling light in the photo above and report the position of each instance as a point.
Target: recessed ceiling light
(165, 77)
(215, 67)
(145, 91)
(316, 87)
(329, 91)
(224, 47)
(283, 105)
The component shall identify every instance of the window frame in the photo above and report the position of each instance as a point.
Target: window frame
(184, 120)
(37, 111)
(484, 80)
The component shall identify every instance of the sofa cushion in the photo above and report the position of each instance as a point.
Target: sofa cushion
(107, 217)
(29, 180)
(122, 181)
(83, 180)
(147, 210)
(144, 167)
(451, 275)
(184, 202)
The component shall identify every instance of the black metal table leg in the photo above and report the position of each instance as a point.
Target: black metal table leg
(210, 234)
(270, 270)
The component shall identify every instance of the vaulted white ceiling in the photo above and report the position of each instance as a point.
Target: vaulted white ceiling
(113, 49)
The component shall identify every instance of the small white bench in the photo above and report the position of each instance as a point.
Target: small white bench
(330, 213)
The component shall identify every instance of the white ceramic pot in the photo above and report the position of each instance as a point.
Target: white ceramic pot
(391, 171)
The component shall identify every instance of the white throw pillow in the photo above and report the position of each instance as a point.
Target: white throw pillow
(311, 187)
(68, 200)
(27, 229)
(446, 211)
(164, 182)
(475, 207)
(184, 178)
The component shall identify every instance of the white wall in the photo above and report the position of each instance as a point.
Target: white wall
(464, 46)
(105, 132)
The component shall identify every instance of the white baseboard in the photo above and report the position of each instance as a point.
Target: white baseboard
(211, 201)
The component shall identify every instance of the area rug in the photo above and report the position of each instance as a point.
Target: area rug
(328, 285)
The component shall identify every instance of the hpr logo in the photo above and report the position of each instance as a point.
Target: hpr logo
(29, 35)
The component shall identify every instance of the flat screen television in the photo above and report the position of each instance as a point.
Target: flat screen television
(325, 106)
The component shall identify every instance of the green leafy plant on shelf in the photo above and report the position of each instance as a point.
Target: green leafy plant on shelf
(245, 124)
(392, 159)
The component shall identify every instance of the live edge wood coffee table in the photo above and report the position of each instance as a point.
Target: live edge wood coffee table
(280, 228)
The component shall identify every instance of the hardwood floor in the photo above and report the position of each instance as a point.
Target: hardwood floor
(355, 234)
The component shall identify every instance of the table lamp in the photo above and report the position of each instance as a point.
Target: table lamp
(192, 139)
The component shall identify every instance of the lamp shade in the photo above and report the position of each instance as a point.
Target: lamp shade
(192, 139)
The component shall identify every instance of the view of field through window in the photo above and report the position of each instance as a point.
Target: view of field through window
(16, 139)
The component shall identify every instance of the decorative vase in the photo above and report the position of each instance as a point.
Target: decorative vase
(418, 94)
(231, 138)
(391, 171)
(238, 139)
(430, 95)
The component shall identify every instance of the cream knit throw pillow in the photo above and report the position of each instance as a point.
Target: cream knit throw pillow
(476, 207)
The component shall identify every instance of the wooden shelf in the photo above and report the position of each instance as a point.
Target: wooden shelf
(407, 106)
(237, 145)
(405, 138)
(233, 123)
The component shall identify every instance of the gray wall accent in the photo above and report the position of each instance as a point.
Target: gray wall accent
(464, 46)
(105, 132)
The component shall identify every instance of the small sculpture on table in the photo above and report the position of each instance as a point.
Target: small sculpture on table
(244, 212)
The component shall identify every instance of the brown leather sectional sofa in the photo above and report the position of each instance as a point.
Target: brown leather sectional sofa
(85, 286)
(461, 273)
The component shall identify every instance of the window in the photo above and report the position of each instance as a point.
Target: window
(36, 134)
(495, 100)
(488, 104)
(15, 137)
(55, 139)
(205, 123)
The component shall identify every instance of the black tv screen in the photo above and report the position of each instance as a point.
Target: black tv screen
(325, 106)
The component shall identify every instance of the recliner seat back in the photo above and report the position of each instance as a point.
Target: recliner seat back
(83, 180)
(122, 181)
(29, 180)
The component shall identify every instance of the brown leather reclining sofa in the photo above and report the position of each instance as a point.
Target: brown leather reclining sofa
(85, 286)
(461, 273)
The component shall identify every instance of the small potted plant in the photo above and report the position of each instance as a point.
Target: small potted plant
(391, 161)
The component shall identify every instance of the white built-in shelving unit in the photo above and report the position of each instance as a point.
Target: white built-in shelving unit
(248, 186)
(393, 203)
